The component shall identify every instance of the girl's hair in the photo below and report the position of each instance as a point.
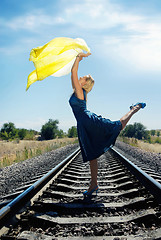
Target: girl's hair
(89, 84)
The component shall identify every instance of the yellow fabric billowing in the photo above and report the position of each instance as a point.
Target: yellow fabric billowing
(55, 58)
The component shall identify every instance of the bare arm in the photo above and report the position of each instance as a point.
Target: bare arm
(74, 75)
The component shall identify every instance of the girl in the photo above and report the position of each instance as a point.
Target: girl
(96, 134)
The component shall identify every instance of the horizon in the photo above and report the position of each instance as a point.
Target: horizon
(72, 126)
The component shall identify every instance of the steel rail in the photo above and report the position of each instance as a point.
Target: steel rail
(20, 201)
(150, 183)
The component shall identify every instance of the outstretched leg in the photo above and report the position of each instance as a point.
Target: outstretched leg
(124, 120)
(94, 172)
(93, 163)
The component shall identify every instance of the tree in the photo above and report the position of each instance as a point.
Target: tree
(8, 131)
(60, 133)
(22, 133)
(129, 131)
(158, 133)
(72, 132)
(152, 132)
(140, 131)
(137, 130)
(49, 130)
(30, 134)
(147, 136)
(4, 135)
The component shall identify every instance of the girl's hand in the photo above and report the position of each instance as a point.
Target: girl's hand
(81, 55)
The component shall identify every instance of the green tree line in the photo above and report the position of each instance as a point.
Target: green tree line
(139, 131)
(10, 132)
(48, 131)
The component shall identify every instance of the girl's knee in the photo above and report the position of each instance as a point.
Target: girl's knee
(122, 123)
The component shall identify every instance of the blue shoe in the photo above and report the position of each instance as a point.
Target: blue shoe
(88, 194)
(142, 105)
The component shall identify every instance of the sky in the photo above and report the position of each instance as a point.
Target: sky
(125, 41)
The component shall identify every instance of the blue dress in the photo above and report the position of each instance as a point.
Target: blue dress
(96, 134)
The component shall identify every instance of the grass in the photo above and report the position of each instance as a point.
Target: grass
(150, 147)
(17, 151)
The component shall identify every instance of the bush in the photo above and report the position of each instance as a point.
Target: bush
(158, 140)
(72, 132)
(29, 135)
(137, 130)
(148, 138)
(22, 133)
(60, 134)
(49, 130)
(8, 131)
(26, 134)
(152, 132)
(129, 131)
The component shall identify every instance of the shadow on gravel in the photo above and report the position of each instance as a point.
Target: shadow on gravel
(90, 202)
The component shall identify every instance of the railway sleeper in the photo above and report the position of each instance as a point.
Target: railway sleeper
(68, 188)
(135, 203)
(65, 180)
(32, 235)
(128, 193)
(147, 217)
(80, 178)
(89, 226)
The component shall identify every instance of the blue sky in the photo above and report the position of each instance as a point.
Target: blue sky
(125, 41)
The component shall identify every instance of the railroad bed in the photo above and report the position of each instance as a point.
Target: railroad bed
(123, 208)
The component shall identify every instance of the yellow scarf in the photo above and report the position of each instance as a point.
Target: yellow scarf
(55, 58)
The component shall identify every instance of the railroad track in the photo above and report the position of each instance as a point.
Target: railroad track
(53, 208)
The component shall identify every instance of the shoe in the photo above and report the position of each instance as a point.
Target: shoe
(88, 194)
(139, 103)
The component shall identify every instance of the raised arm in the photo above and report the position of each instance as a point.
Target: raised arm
(74, 75)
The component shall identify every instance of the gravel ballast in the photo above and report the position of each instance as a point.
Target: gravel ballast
(14, 176)
(149, 159)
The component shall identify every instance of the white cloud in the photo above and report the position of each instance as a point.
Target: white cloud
(140, 49)
(95, 14)
(119, 34)
(32, 21)
(136, 39)
(84, 14)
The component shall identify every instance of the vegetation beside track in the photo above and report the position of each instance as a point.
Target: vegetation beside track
(17, 151)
